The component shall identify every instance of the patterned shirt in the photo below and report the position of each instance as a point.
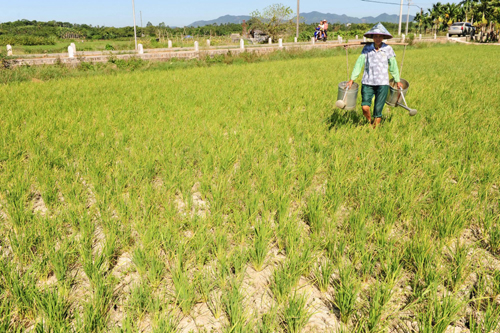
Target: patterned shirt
(377, 64)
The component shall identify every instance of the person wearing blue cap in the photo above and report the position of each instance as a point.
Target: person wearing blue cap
(378, 60)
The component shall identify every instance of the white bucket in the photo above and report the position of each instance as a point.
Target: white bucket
(394, 95)
(352, 95)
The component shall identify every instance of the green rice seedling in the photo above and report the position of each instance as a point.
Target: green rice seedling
(61, 261)
(96, 310)
(204, 284)
(25, 243)
(93, 268)
(295, 314)
(185, 296)
(140, 261)
(491, 226)
(262, 238)
(221, 243)
(336, 247)
(215, 304)
(289, 236)
(282, 206)
(56, 309)
(439, 313)
(16, 203)
(224, 270)
(128, 326)
(156, 270)
(166, 324)
(239, 259)
(21, 288)
(474, 325)
(6, 313)
(491, 319)
(270, 322)
(420, 258)
(111, 248)
(323, 274)
(140, 300)
(459, 265)
(252, 205)
(496, 283)
(347, 288)
(479, 292)
(287, 275)
(380, 295)
(448, 223)
(391, 265)
(282, 282)
(232, 302)
(368, 262)
(314, 215)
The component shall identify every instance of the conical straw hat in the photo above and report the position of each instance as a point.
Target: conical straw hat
(378, 29)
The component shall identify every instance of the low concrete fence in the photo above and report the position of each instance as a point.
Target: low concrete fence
(73, 57)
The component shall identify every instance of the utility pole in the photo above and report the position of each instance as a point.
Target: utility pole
(142, 33)
(298, 11)
(408, 17)
(135, 29)
(400, 17)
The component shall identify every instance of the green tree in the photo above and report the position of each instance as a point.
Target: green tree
(275, 20)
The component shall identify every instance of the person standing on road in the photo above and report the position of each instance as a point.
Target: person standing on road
(378, 59)
(325, 27)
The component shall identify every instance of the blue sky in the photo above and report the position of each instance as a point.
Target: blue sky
(175, 13)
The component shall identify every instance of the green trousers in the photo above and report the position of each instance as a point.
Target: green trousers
(380, 93)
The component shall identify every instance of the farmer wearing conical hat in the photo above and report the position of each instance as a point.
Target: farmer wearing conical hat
(378, 59)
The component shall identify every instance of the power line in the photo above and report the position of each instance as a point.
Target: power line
(389, 3)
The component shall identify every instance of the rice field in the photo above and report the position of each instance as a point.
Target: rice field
(236, 198)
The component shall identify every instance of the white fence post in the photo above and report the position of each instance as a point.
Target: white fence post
(420, 37)
(435, 36)
(295, 40)
(270, 40)
(403, 38)
(356, 37)
(208, 42)
(280, 43)
(140, 48)
(364, 39)
(9, 51)
(169, 44)
(313, 40)
(71, 53)
(242, 44)
(74, 47)
(196, 46)
(447, 36)
(340, 40)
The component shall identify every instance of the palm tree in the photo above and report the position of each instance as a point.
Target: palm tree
(437, 14)
(468, 6)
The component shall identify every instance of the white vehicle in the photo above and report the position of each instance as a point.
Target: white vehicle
(461, 29)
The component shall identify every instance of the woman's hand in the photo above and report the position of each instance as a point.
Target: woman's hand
(400, 85)
(349, 84)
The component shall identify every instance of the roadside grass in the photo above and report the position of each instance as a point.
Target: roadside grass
(231, 197)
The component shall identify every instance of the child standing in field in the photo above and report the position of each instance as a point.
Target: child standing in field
(378, 59)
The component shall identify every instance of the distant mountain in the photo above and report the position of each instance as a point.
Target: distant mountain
(309, 18)
(221, 20)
